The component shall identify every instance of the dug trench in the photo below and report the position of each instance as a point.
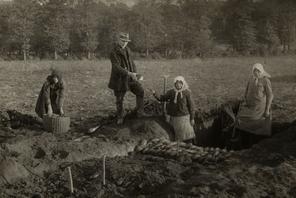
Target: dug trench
(143, 161)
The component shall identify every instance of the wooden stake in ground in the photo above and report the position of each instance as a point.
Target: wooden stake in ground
(71, 180)
(104, 170)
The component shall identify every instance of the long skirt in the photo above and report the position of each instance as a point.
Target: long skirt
(251, 120)
(182, 127)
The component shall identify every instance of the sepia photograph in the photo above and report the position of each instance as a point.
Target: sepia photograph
(147, 98)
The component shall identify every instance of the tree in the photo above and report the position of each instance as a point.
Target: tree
(39, 42)
(21, 23)
(266, 17)
(113, 18)
(287, 23)
(205, 39)
(148, 29)
(4, 31)
(173, 21)
(270, 36)
(197, 38)
(240, 25)
(218, 23)
(87, 26)
(57, 27)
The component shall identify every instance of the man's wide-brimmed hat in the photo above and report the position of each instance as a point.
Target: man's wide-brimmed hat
(123, 36)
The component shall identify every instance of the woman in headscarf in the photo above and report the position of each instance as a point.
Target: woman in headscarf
(51, 96)
(180, 108)
(254, 116)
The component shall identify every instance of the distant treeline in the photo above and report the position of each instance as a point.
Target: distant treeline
(76, 29)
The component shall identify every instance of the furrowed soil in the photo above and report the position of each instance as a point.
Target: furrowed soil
(141, 161)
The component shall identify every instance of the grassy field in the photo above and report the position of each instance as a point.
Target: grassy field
(212, 81)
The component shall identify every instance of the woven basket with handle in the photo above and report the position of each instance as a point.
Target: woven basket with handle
(56, 124)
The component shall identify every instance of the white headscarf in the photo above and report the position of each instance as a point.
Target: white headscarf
(259, 66)
(184, 87)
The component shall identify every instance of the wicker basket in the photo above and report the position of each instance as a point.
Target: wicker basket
(56, 124)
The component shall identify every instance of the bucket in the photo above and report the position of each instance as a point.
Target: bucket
(56, 124)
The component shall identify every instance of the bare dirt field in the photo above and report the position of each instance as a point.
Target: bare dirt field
(34, 163)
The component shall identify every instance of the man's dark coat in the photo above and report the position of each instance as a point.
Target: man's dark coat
(122, 63)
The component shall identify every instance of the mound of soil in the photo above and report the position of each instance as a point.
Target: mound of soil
(258, 172)
(41, 152)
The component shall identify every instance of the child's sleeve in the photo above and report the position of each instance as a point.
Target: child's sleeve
(46, 93)
(61, 93)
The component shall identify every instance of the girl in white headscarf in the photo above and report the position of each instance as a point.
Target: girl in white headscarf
(180, 108)
(254, 115)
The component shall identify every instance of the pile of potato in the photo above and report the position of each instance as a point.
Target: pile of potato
(181, 150)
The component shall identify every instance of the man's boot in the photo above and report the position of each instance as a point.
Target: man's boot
(140, 107)
(120, 112)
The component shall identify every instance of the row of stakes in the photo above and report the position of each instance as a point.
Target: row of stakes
(157, 145)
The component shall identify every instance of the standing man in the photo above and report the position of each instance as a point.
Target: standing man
(124, 76)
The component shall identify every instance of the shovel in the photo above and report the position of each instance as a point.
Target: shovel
(103, 122)
(93, 129)
(234, 137)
